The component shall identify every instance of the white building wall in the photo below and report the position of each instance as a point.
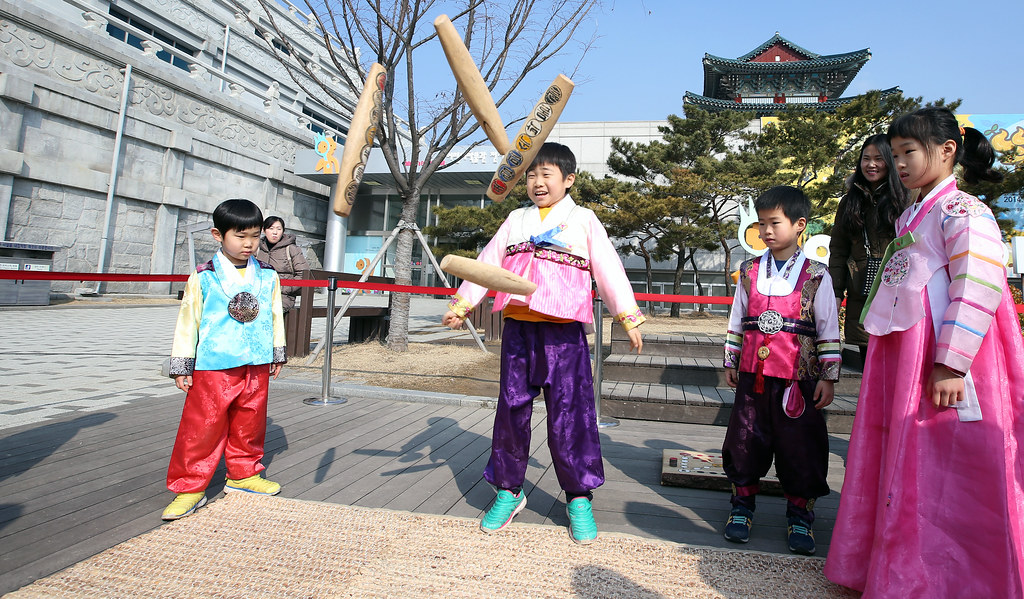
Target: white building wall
(592, 142)
(187, 144)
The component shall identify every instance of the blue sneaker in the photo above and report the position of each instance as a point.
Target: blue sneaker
(801, 537)
(737, 527)
(504, 508)
(582, 528)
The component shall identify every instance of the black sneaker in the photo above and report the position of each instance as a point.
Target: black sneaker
(737, 527)
(801, 537)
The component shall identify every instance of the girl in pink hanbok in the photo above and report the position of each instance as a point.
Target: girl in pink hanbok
(933, 500)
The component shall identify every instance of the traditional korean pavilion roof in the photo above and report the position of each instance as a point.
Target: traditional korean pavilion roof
(715, 104)
(774, 74)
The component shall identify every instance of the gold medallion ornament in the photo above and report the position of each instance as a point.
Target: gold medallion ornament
(763, 352)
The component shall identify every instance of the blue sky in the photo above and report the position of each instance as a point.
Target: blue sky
(649, 52)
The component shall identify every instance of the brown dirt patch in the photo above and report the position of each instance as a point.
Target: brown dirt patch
(438, 367)
(464, 369)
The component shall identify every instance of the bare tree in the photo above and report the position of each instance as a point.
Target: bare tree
(509, 39)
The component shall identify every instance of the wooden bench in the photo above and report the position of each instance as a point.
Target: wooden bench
(365, 322)
(491, 322)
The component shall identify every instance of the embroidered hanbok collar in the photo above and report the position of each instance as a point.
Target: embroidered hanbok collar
(545, 233)
(919, 209)
(782, 282)
(243, 291)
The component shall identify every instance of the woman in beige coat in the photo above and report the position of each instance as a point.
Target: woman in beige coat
(278, 249)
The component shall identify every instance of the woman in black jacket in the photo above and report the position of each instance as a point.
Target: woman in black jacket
(865, 224)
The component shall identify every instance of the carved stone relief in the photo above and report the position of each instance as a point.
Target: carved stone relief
(189, 18)
(30, 49)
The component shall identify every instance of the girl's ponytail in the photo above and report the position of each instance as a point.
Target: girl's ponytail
(977, 158)
(937, 124)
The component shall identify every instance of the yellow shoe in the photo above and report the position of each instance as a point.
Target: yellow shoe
(253, 484)
(184, 504)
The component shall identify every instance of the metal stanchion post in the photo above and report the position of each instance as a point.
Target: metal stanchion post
(602, 421)
(325, 395)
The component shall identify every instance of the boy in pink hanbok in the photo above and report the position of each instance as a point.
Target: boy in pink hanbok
(558, 245)
(782, 356)
(932, 504)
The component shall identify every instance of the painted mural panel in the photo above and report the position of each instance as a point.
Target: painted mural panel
(1006, 132)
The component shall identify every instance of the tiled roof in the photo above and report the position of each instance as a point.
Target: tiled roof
(817, 63)
(715, 104)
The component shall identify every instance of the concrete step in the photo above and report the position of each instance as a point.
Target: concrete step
(691, 371)
(697, 404)
(681, 346)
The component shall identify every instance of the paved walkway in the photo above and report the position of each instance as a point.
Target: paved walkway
(60, 360)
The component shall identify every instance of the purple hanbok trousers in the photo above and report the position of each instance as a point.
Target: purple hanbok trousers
(553, 358)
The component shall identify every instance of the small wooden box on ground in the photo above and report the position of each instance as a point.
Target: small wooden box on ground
(703, 470)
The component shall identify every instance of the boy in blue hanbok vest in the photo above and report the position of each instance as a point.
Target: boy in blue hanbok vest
(228, 342)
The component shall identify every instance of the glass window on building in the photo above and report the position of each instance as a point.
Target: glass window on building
(133, 40)
(367, 214)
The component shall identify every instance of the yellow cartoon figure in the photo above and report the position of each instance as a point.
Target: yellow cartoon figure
(325, 147)
(1011, 145)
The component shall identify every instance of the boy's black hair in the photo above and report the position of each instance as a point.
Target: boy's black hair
(556, 154)
(269, 222)
(237, 215)
(793, 203)
(935, 125)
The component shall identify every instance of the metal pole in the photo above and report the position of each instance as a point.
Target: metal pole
(602, 421)
(112, 183)
(325, 395)
(224, 58)
(444, 279)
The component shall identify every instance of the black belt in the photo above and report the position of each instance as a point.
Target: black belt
(789, 325)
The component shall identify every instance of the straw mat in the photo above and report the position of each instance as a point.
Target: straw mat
(251, 546)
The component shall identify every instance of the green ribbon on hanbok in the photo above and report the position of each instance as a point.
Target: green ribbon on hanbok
(903, 241)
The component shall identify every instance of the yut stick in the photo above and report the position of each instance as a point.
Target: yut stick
(472, 84)
(531, 136)
(487, 275)
(361, 132)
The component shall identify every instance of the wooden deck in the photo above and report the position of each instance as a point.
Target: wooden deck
(74, 486)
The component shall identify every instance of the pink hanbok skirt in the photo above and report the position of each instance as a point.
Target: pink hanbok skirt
(932, 506)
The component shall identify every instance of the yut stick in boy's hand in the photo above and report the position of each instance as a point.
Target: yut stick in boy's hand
(471, 84)
(492, 277)
(360, 140)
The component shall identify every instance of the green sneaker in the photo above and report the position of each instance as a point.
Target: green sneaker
(582, 528)
(505, 507)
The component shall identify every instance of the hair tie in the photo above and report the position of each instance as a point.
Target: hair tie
(962, 131)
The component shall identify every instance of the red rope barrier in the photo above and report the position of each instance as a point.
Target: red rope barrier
(36, 275)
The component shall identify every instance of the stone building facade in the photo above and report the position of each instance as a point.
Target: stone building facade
(196, 130)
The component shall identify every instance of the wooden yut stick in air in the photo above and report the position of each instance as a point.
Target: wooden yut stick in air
(487, 275)
(471, 83)
(361, 132)
(527, 143)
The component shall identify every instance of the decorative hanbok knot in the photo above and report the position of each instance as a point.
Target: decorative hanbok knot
(547, 238)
